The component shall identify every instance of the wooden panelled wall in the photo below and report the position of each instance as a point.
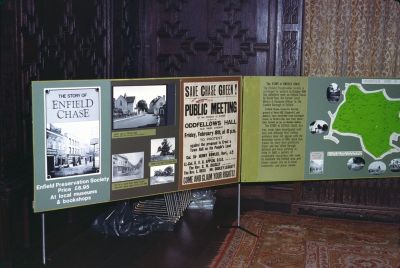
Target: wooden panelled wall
(74, 39)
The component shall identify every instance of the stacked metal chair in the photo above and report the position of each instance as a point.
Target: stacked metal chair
(169, 208)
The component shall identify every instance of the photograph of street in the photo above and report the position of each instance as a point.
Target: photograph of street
(139, 106)
(72, 149)
(162, 149)
(128, 166)
(162, 174)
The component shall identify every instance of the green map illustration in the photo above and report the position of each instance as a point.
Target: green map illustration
(371, 116)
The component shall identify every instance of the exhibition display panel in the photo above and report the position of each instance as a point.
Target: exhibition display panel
(99, 141)
(104, 140)
(320, 128)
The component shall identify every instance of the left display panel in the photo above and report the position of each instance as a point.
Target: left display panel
(98, 141)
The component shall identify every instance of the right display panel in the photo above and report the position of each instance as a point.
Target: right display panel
(300, 128)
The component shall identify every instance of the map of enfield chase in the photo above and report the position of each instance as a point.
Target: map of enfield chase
(371, 116)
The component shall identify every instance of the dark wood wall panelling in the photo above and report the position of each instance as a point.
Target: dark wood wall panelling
(127, 22)
(103, 39)
(73, 39)
(46, 40)
(222, 37)
(230, 37)
(12, 151)
(372, 199)
(41, 40)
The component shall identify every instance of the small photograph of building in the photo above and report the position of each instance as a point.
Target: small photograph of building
(316, 165)
(162, 174)
(377, 168)
(318, 127)
(333, 93)
(72, 149)
(355, 163)
(129, 166)
(139, 106)
(394, 165)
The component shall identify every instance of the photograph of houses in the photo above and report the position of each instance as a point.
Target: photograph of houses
(139, 106)
(128, 166)
(72, 149)
(355, 163)
(162, 149)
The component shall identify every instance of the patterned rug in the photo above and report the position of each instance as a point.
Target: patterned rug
(302, 241)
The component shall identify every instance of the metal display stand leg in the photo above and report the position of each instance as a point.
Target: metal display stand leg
(43, 241)
(238, 217)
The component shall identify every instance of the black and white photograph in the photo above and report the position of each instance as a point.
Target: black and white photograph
(129, 166)
(316, 165)
(72, 149)
(333, 93)
(72, 132)
(162, 149)
(139, 106)
(355, 163)
(318, 127)
(162, 174)
(394, 165)
(377, 168)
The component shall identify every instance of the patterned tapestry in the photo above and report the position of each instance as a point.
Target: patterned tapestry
(351, 38)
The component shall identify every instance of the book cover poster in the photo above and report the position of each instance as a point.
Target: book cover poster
(72, 132)
(210, 131)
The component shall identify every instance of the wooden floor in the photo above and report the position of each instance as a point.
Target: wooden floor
(193, 243)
